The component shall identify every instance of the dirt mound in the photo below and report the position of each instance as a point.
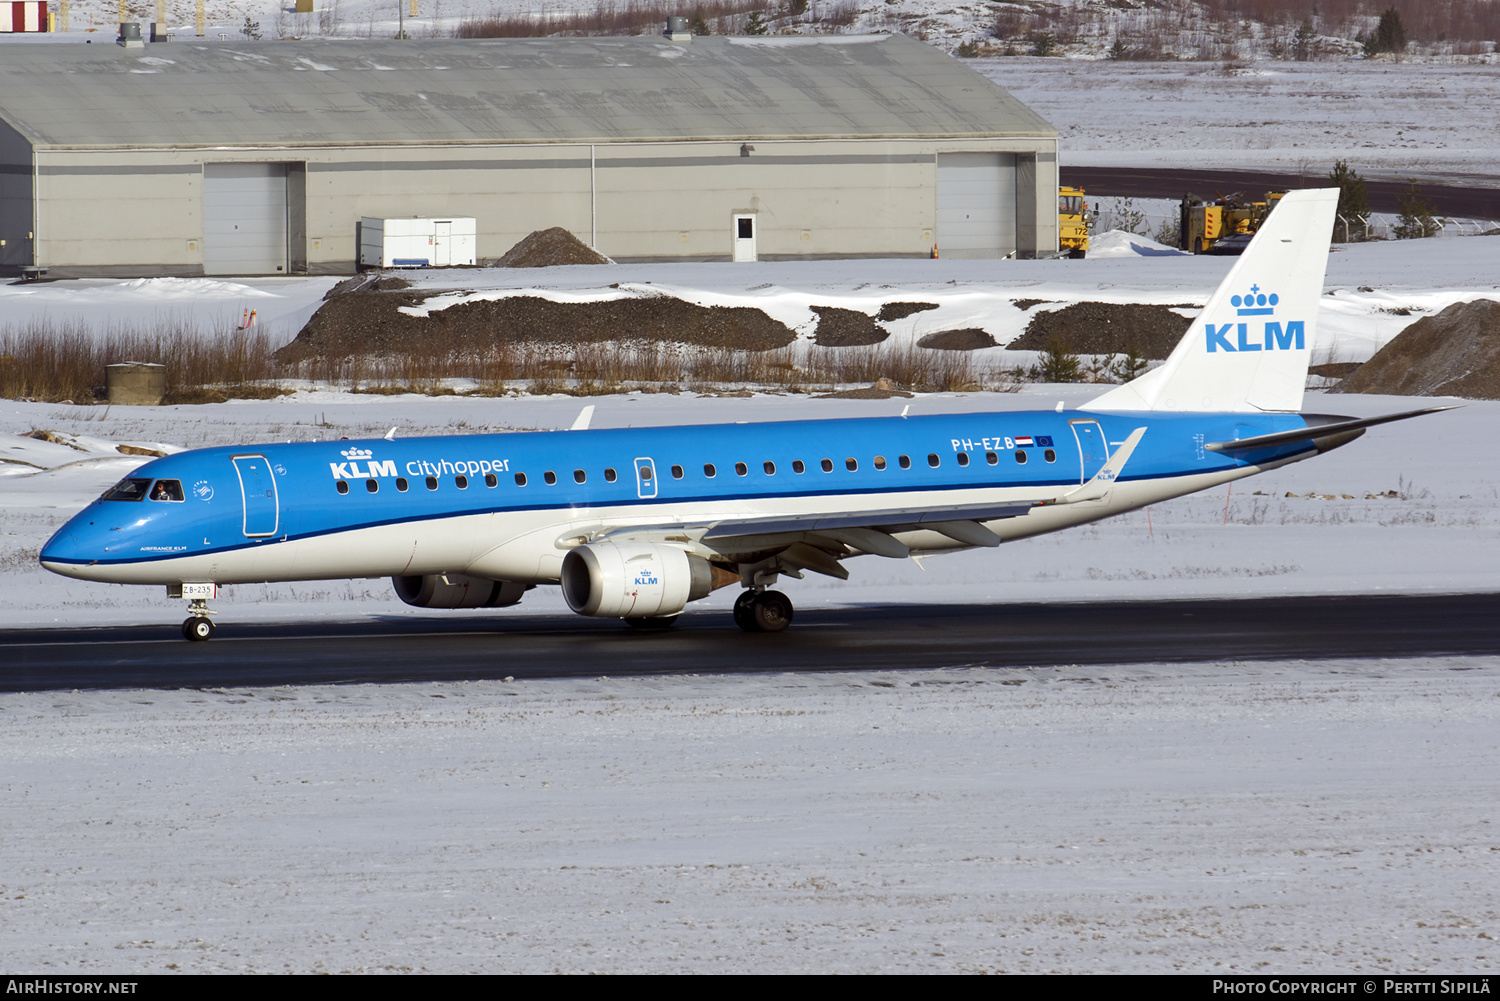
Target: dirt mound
(901, 310)
(1105, 328)
(845, 328)
(548, 247)
(370, 322)
(1455, 353)
(967, 339)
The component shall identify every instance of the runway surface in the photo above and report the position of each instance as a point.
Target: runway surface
(1466, 201)
(887, 637)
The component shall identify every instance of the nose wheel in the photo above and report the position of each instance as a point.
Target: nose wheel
(198, 626)
(763, 611)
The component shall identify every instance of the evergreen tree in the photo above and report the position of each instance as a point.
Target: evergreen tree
(1389, 36)
(1056, 363)
(1416, 219)
(755, 24)
(1302, 41)
(1354, 202)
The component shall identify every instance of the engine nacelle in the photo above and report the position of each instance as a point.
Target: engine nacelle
(633, 580)
(457, 591)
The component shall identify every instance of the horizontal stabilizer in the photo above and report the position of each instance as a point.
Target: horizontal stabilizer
(1315, 431)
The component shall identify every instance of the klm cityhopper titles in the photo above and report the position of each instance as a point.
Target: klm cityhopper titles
(637, 523)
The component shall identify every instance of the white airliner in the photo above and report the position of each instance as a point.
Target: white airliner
(637, 523)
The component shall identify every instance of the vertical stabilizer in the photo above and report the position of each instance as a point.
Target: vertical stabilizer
(1248, 351)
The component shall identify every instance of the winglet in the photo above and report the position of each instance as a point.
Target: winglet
(584, 417)
(1105, 478)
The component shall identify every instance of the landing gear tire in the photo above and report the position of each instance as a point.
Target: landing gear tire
(773, 611)
(743, 617)
(654, 623)
(765, 612)
(197, 629)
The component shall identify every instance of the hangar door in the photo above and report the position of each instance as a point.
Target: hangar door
(976, 204)
(244, 218)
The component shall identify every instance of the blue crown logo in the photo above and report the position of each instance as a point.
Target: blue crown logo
(1257, 303)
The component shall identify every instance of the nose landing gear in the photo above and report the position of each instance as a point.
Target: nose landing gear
(198, 626)
(763, 611)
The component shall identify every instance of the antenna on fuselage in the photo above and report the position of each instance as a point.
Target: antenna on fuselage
(584, 416)
(904, 410)
(390, 435)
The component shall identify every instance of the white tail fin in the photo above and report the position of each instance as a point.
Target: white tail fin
(1248, 351)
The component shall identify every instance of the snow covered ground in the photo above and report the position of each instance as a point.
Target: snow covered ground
(1403, 120)
(1369, 286)
(1280, 818)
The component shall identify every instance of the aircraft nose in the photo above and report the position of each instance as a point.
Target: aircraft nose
(77, 544)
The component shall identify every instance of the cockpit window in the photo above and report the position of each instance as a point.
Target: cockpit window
(128, 489)
(167, 490)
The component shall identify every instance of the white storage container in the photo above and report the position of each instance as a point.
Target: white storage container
(415, 243)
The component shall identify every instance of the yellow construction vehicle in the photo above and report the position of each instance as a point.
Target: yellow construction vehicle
(1223, 225)
(1072, 222)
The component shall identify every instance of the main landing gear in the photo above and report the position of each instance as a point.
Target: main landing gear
(763, 611)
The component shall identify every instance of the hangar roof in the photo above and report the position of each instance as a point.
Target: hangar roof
(346, 92)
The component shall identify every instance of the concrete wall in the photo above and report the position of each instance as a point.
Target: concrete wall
(140, 212)
(15, 200)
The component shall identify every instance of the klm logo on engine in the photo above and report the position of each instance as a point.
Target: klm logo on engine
(1235, 337)
(351, 470)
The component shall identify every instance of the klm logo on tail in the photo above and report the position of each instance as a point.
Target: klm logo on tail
(1271, 338)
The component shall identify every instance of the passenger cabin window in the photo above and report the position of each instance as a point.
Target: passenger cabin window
(904, 461)
(579, 476)
(167, 490)
(520, 479)
(491, 480)
(373, 486)
(676, 472)
(401, 484)
(798, 467)
(709, 470)
(550, 477)
(1050, 455)
(1020, 457)
(879, 462)
(851, 464)
(933, 460)
(991, 458)
(770, 468)
(740, 469)
(826, 465)
(128, 489)
(461, 481)
(610, 476)
(432, 483)
(342, 486)
(963, 458)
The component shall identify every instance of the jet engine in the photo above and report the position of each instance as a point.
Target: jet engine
(633, 580)
(457, 591)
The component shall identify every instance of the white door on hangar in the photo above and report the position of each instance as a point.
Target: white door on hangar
(244, 219)
(976, 204)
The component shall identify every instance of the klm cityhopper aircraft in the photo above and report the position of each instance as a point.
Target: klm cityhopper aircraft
(637, 523)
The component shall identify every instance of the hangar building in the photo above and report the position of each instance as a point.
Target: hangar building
(192, 158)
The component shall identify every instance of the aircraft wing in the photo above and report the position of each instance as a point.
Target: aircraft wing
(818, 540)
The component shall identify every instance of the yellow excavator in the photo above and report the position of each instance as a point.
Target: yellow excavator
(1223, 225)
(1072, 222)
